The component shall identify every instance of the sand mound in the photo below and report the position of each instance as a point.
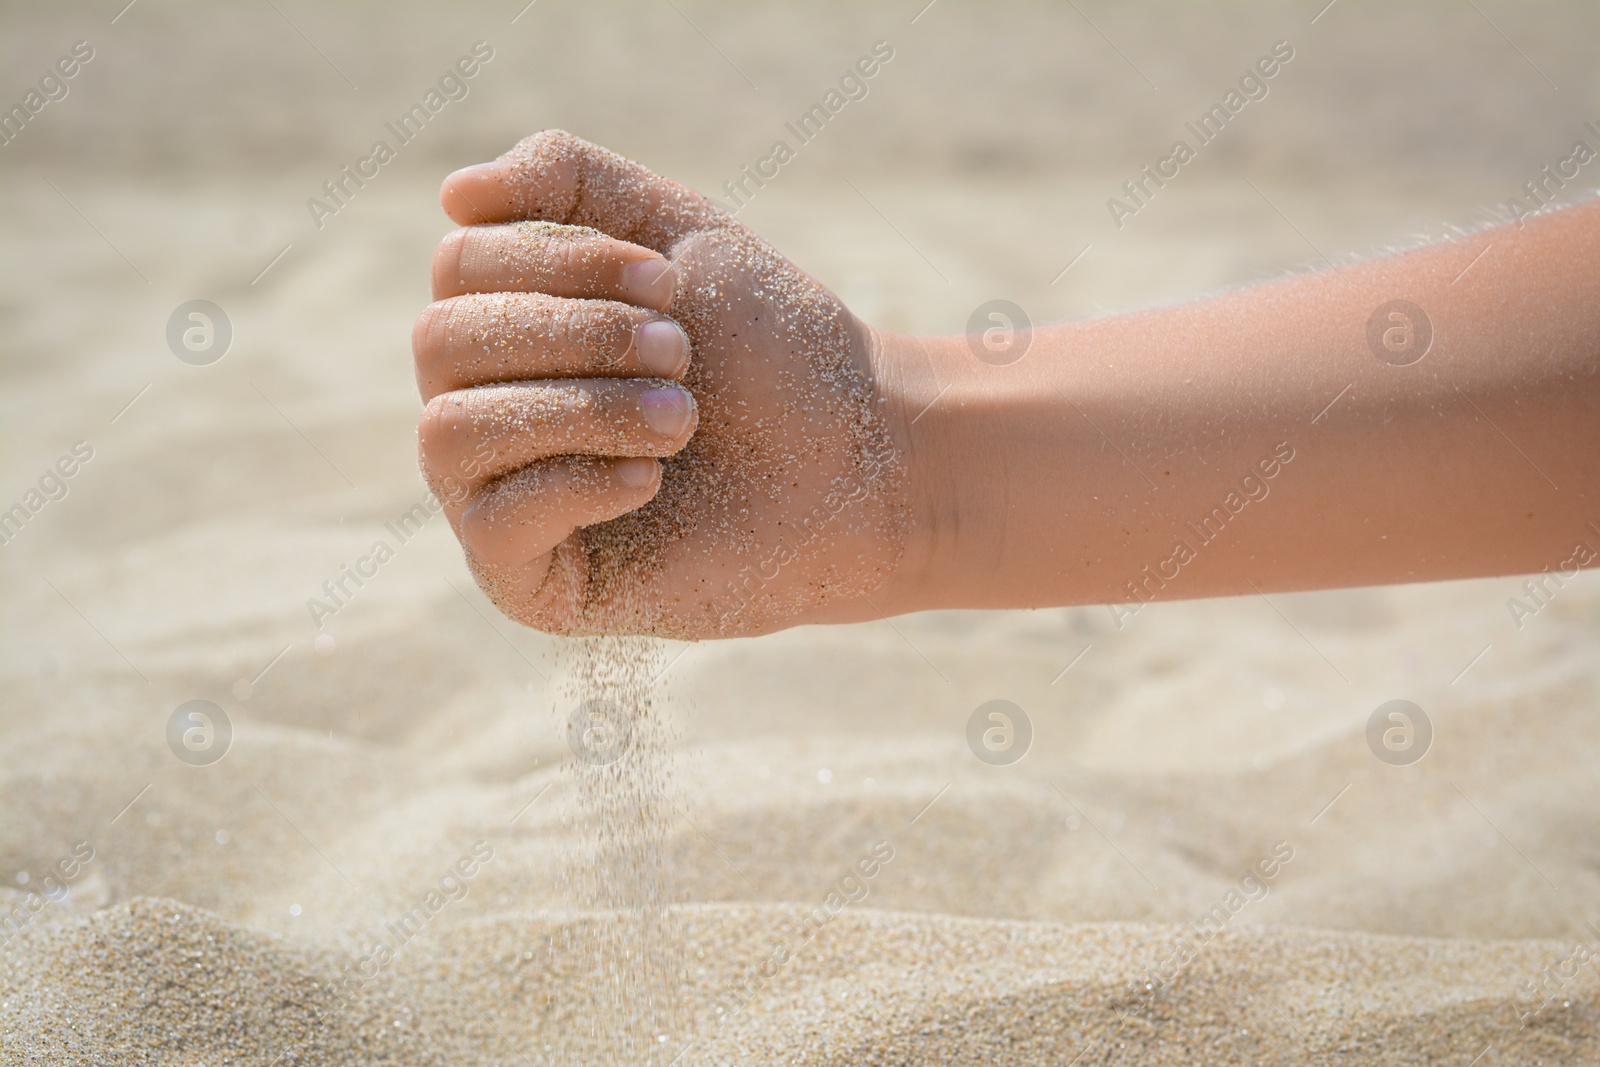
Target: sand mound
(156, 981)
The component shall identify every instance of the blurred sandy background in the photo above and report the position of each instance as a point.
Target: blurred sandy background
(1420, 907)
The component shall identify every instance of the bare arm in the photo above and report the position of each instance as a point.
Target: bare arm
(1260, 440)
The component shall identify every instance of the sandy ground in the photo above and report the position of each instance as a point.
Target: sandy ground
(1046, 911)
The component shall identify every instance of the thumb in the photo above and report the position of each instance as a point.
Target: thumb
(556, 177)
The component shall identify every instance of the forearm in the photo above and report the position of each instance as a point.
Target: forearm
(1143, 456)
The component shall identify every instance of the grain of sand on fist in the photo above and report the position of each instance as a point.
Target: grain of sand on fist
(607, 472)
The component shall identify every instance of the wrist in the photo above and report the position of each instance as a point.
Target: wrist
(947, 414)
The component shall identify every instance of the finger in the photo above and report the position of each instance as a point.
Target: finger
(541, 257)
(512, 337)
(521, 518)
(472, 436)
(554, 175)
(545, 593)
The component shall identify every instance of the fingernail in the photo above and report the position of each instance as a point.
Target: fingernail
(663, 347)
(667, 410)
(648, 282)
(636, 472)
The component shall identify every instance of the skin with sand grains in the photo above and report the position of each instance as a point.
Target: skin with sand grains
(774, 413)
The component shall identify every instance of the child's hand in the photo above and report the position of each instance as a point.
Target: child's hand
(590, 492)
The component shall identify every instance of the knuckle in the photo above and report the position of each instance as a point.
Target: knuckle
(446, 266)
(565, 255)
(556, 144)
(554, 254)
(555, 156)
(438, 428)
(546, 138)
(430, 343)
(523, 592)
(600, 330)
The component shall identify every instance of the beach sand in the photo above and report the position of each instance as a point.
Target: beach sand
(1102, 900)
